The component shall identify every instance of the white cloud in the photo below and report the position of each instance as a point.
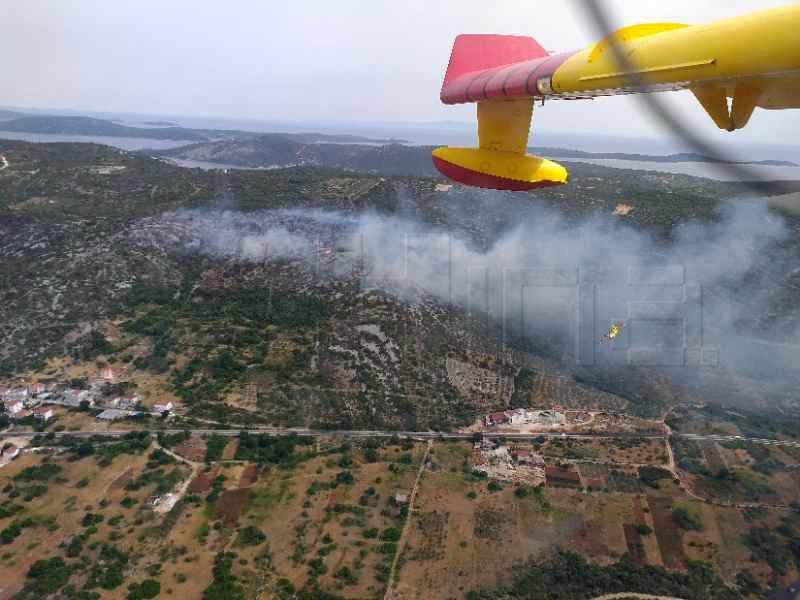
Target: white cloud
(314, 59)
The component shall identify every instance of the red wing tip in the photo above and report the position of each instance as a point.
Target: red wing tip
(484, 180)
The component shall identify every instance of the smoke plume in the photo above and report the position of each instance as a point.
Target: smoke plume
(719, 294)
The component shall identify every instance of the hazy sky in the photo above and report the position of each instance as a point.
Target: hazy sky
(312, 59)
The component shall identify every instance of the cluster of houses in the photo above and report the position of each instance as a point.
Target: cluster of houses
(19, 403)
(525, 416)
(499, 461)
(37, 400)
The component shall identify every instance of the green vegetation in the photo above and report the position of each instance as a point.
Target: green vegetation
(107, 571)
(238, 324)
(345, 478)
(391, 534)
(274, 450)
(89, 347)
(568, 576)
(651, 475)
(215, 444)
(688, 456)
(13, 531)
(45, 577)
(250, 536)
(168, 440)
(9, 509)
(43, 472)
(163, 482)
(224, 585)
(135, 442)
(685, 519)
(764, 461)
(75, 546)
(149, 588)
(346, 576)
(766, 547)
(90, 519)
(158, 457)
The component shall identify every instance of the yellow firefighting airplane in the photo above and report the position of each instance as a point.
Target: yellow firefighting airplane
(613, 331)
(753, 59)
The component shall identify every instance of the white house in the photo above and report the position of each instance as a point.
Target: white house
(75, 397)
(14, 407)
(517, 416)
(526, 457)
(162, 408)
(9, 451)
(45, 413)
(552, 417)
(17, 394)
(126, 403)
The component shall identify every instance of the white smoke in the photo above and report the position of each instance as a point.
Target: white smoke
(682, 302)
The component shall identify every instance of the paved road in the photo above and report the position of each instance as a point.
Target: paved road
(734, 438)
(421, 435)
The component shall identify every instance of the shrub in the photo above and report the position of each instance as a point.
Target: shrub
(317, 567)
(345, 478)
(345, 575)
(43, 472)
(10, 533)
(651, 475)
(391, 534)
(149, 588)
(686, 520)
(250, 536)
(90, 519)
(225, 585)
(387, 548)
(75, 546)
(48, 576)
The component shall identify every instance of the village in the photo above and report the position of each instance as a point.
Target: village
(559, 419)
(37, 401)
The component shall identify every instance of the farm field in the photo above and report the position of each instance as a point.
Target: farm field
(281, 515)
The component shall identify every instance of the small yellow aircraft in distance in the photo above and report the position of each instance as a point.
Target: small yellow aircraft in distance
(613, 331)
(754, 59)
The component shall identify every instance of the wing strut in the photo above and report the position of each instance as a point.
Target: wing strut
(500, 161)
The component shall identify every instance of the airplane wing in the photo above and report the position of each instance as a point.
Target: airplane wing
(753, 59)
(500, 162)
